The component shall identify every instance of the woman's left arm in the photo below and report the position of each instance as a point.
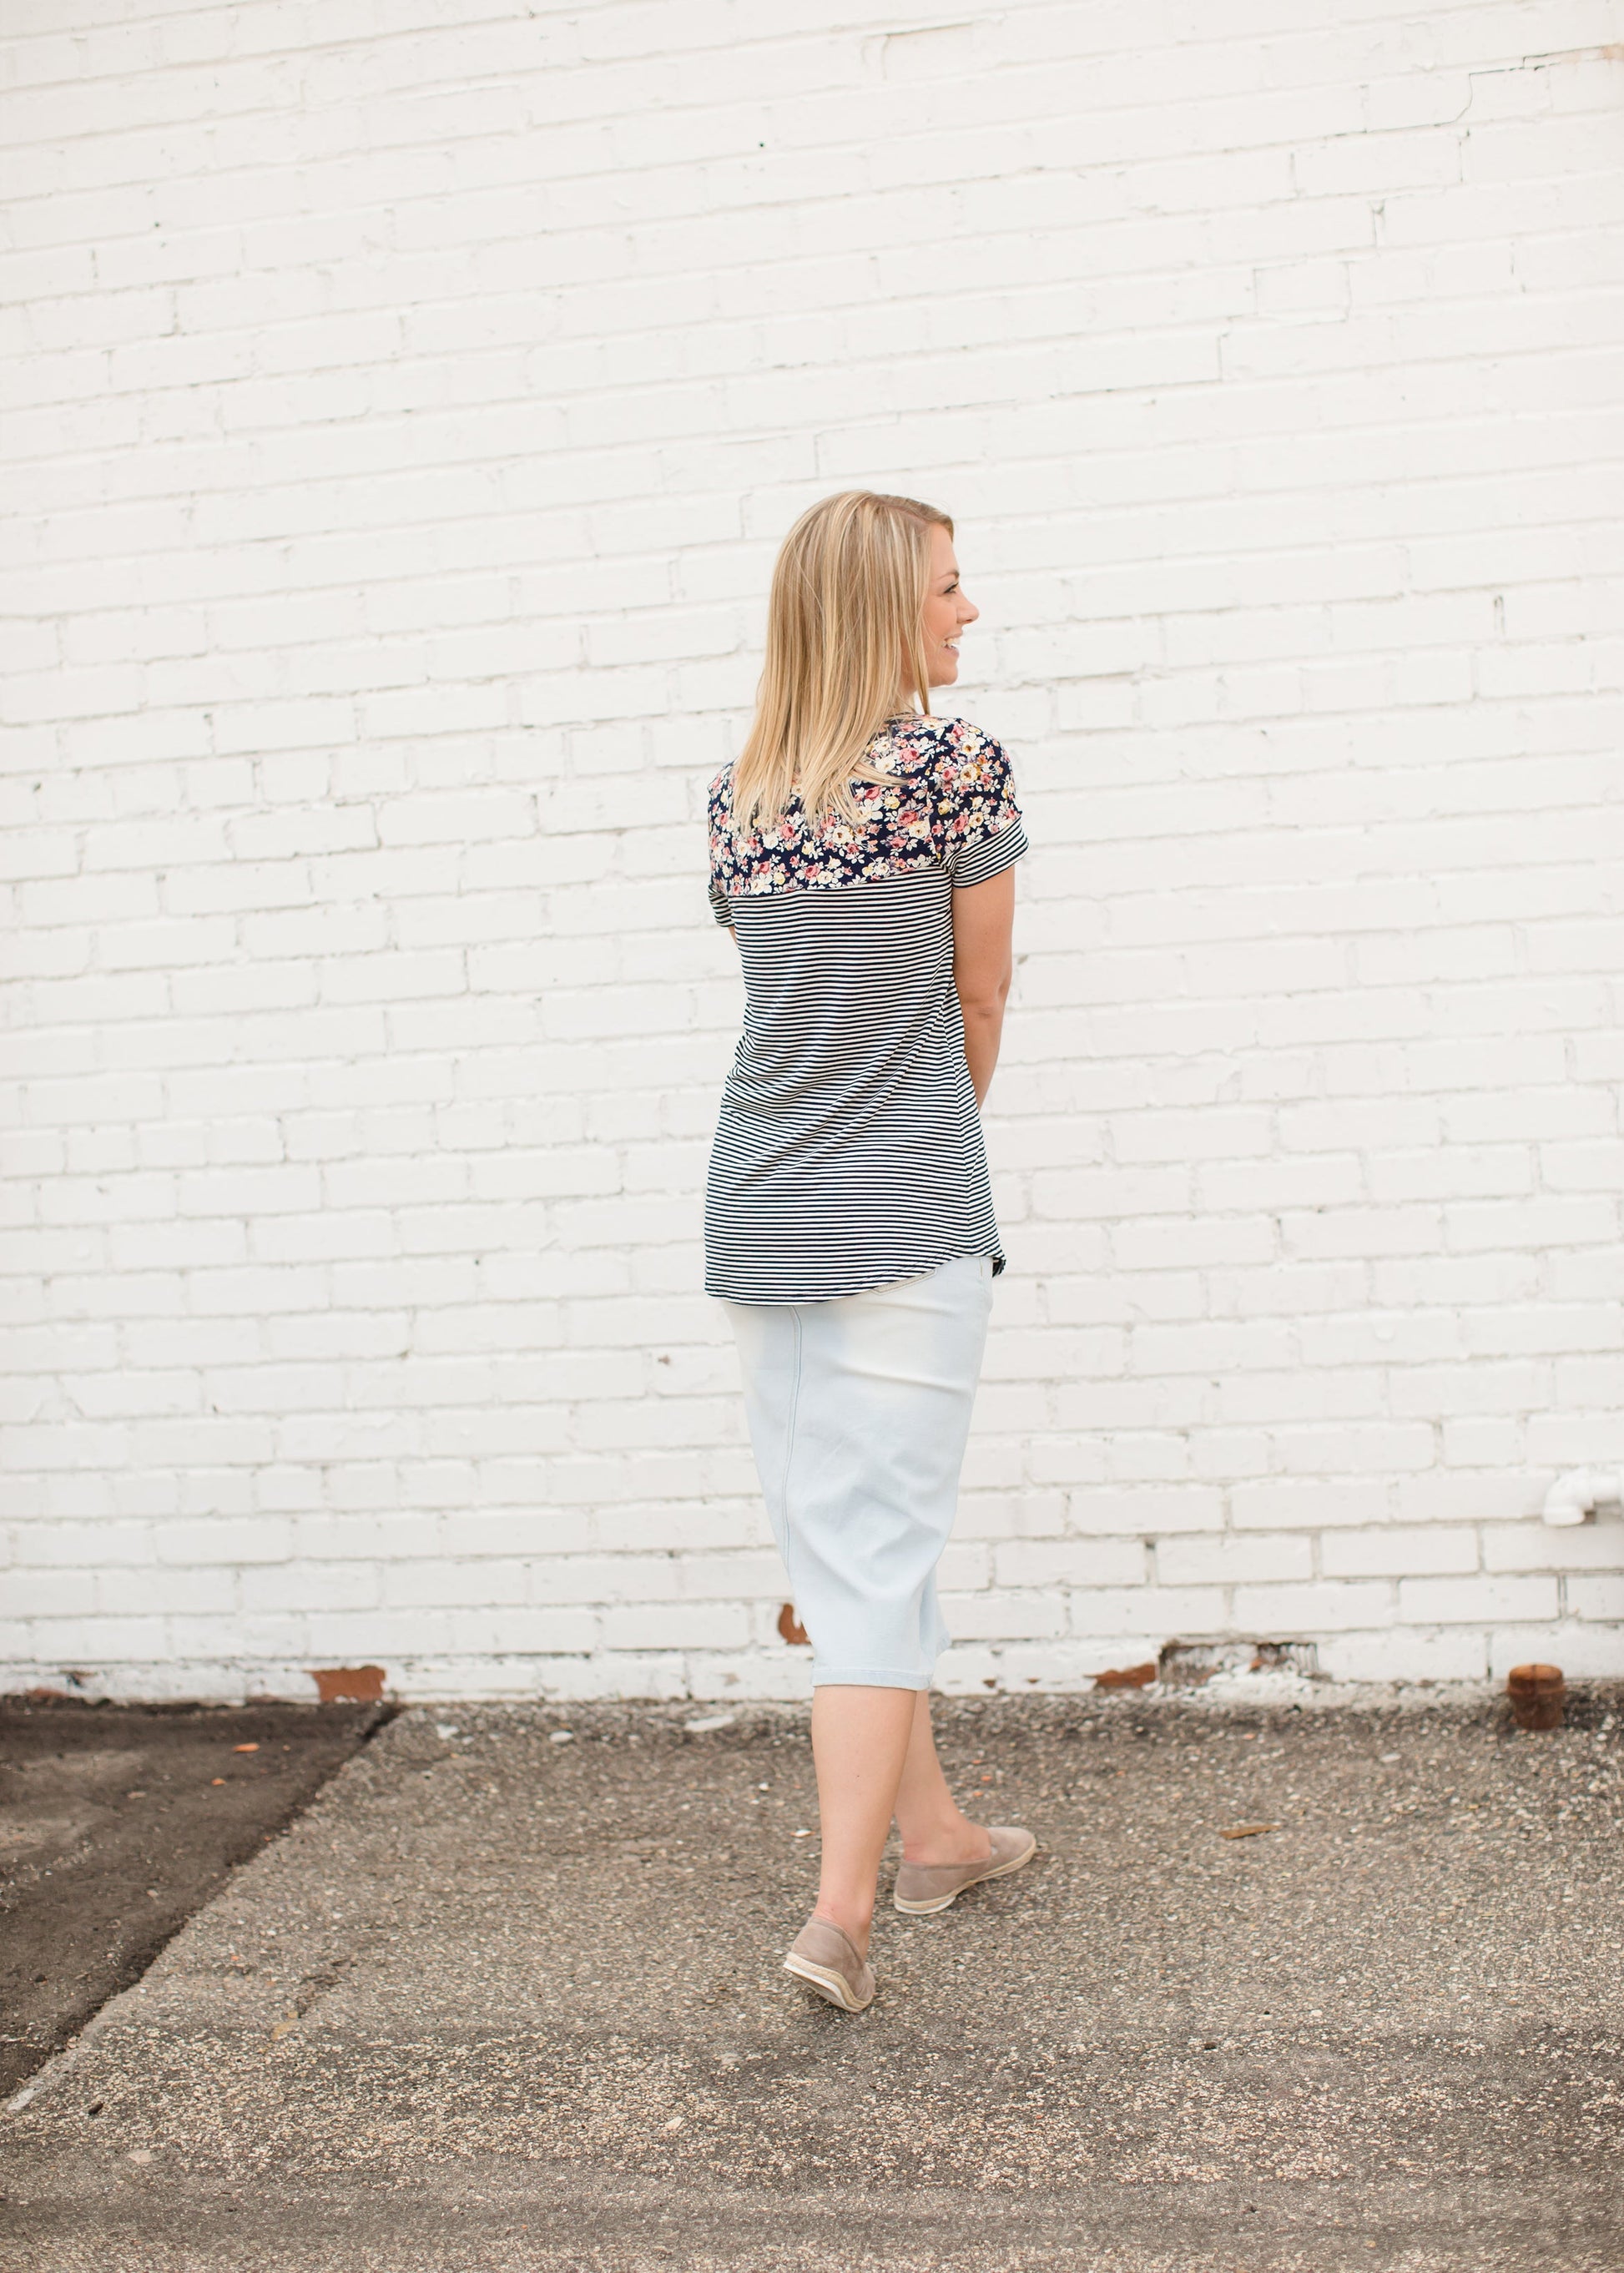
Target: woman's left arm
(983, 965)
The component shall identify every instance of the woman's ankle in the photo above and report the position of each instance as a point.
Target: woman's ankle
(947, 1839)
(854, 1921)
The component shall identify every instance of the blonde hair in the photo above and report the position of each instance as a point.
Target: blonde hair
(845, 632)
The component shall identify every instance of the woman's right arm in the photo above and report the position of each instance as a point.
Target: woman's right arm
(983, 965)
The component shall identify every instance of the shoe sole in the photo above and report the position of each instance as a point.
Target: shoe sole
(828, 1983)
(946, 1902)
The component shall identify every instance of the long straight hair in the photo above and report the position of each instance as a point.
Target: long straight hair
(845, 635)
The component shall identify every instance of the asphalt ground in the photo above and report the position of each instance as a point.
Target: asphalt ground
(117, 1823)
(499, 2000)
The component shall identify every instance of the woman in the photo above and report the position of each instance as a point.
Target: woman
(861, 850)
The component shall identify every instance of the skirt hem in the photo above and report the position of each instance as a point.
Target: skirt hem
(867, 1676)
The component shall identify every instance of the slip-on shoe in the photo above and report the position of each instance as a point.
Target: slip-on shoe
(922, 1888)
(828, 1961)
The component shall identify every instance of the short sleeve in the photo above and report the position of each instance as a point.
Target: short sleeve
(719, 830)
(979, 826)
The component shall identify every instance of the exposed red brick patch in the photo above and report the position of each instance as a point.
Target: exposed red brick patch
(1126, 1676)
(362, 1684)
(792, 1629)
(1537, 1694)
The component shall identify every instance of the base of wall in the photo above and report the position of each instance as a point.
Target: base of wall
(1433, 1654)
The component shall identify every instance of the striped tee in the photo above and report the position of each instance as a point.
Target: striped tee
(848, 1149)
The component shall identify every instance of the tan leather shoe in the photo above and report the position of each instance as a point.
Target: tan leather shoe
(828, 1960)
(922, 1888)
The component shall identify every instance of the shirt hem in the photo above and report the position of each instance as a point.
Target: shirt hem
(865, 1285)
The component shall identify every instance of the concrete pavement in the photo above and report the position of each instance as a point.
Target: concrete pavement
(507, 1998)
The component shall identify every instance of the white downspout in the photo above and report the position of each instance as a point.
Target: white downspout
(1572, 1497)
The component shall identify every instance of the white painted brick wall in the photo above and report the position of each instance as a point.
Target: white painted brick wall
(403, 406)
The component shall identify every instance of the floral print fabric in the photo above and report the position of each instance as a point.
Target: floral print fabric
(950, 790)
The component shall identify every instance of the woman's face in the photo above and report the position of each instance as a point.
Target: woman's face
(947, 610)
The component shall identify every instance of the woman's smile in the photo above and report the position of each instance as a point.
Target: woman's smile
(948, 613)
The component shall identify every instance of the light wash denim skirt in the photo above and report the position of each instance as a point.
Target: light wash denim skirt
(859, 1410)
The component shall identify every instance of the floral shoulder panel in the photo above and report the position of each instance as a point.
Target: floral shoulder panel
(950, 791)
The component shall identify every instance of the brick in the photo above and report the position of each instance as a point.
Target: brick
(1150, 1614)
(1399, 1551)
(51, 1593)
(1493, 1440)
(1405, 1653)
(1062, 1564)
(1149, 1510)
(623, 1577)
(676, 1625)
(1327, 1606)
(1595, 1595)
(237, 1540)
(295, 1587)
(483, 1633)
(1009, 1615)
(380, 1636)
(1261, 1558)
(1501, 1599)
(1306, 1503)
(97, 1544)
(1594, 1546)
(1587, 1652)
(78, 1640)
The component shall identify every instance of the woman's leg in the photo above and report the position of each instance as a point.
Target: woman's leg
(859, 1409)
(875, 1756)
(934, 1828)
(860, 1744)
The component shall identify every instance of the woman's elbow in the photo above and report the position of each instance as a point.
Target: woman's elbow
(985, 1000)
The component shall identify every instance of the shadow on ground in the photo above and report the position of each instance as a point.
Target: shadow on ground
(117, 1822)
(500, 2000)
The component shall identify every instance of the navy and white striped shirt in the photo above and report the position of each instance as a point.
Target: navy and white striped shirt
(848, 1149)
